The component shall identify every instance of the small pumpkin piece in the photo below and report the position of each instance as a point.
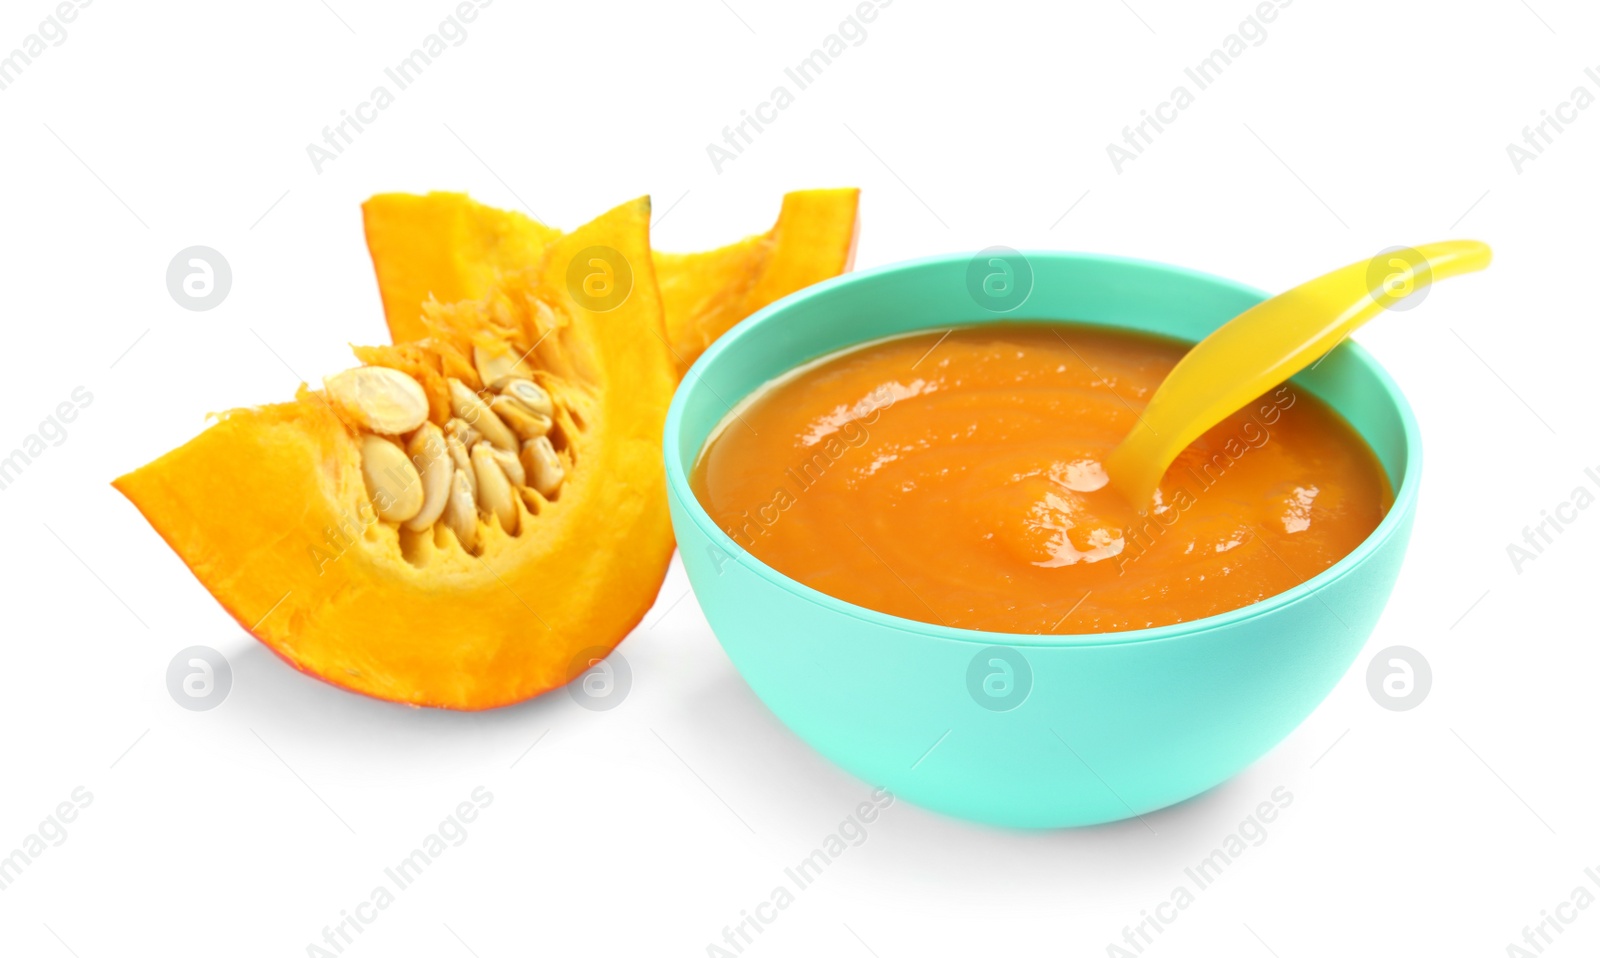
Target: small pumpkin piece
(378, 399)
(393, 483)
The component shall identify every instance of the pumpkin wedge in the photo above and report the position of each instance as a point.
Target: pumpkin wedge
(447, 246)
(467, 519)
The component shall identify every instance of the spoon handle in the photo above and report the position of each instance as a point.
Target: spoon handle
(1265, 345)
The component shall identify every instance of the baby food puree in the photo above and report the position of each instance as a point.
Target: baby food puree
(955, 477)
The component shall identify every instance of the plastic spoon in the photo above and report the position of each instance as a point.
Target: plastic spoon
(1265, 345)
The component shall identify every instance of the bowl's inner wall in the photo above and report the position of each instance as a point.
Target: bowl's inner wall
(1125, 294)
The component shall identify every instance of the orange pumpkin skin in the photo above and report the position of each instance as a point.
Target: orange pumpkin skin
(268, 508)
(450, 246)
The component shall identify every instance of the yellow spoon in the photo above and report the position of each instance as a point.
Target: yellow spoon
(1265, 345)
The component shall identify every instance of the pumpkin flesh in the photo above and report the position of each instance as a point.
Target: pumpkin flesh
(707, 293)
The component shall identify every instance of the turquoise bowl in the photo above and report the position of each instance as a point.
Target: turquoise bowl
(1028, 730)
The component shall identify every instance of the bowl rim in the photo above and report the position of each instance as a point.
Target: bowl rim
(678, 487)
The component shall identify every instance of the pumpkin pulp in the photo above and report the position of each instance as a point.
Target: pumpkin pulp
(956, 478)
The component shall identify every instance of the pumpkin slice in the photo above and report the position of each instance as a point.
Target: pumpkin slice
(535, 411)
(450, 246)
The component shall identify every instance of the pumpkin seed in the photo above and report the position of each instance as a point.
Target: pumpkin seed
(466, 405)
(531, 396)
(469, 469)
(509, 465)
(393, 484)
(462, 462)
(543, 465)
(495, 494)
(432, 459)
(528, 425)
(495, 366)
(465, 434)
(460, 514)
(378, 399)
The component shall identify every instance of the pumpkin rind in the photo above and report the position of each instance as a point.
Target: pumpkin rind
(268, 508)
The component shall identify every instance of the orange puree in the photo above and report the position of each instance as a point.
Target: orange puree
(957, 479)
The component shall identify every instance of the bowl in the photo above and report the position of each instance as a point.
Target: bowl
(1035, 731)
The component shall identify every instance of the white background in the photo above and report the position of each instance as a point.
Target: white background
(646, 829)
